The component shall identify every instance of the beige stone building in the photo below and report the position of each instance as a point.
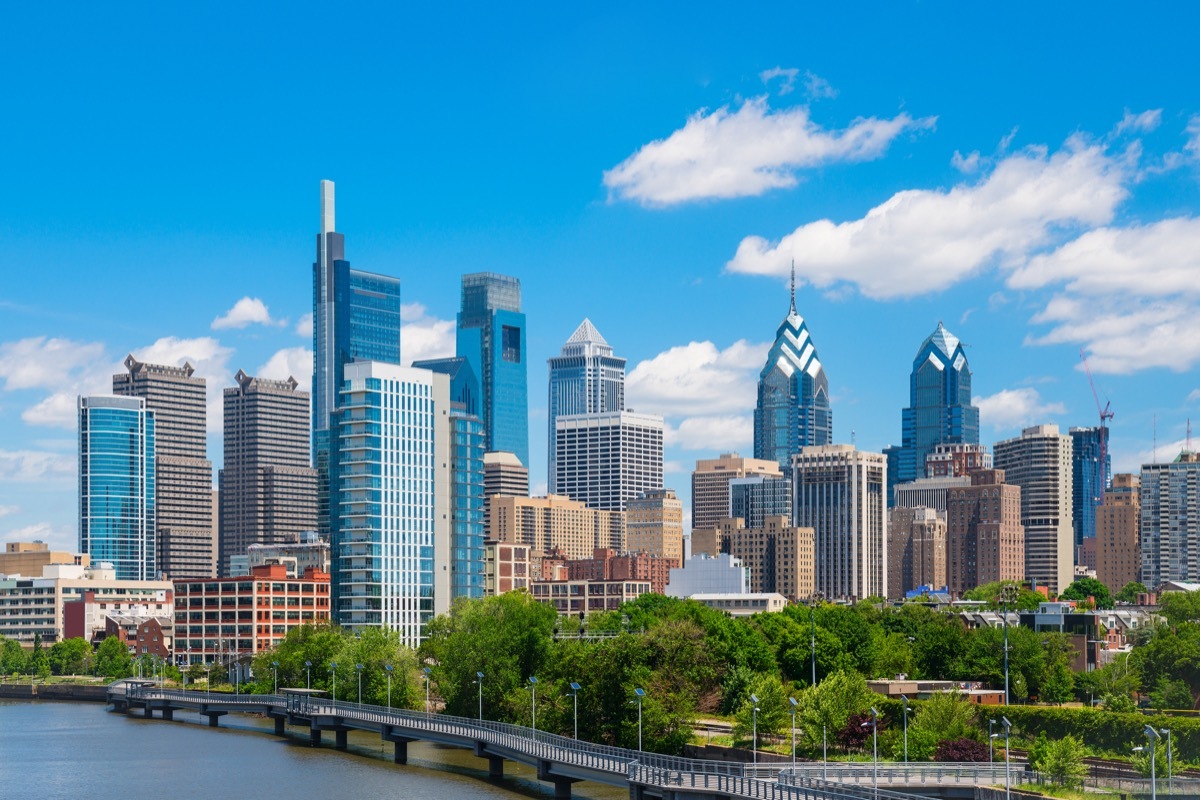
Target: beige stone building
(779, 557)
(554, 523)
(916, 549)
(506, 568)
(1118, 544)
(28, 558)
(710, 485)
(985, 538)
(654, 524)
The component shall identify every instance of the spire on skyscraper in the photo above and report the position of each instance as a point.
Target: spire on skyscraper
(793, 306)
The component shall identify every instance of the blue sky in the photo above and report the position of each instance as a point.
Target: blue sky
(1028, 174)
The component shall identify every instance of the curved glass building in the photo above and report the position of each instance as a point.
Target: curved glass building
(793, 395)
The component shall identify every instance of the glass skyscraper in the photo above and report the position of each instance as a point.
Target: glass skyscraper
(491, 337)
(940, 410)
(356, 317)
(116, 485)
(793, 395)
(1091, 474)
(585, 378)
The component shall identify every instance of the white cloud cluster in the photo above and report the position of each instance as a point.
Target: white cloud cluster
(725, 433)
(1192, 146)
(304, 325)
(6, 510)
(1011, 409)
(33, 466)
(63, 367)
(923, 240)
(742, 153)
(290, 362)
(423, 336)
(57, 538)
(209, 358)
(787, 78)
(1143, 122)
(245, 312)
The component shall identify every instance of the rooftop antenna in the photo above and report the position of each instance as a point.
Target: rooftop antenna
(793, 286)
(1189, 435)
(853, 438)
(1155, 457)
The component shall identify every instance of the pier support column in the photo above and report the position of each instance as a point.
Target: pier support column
(212, 720)
(495, 767)
(280, 722)
(168, 713)
(562, 789)
(314, 737)
(147, 712)
(400, 752)
(339, 740)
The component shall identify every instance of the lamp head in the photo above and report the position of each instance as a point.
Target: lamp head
(793, 701)
(754, 699)
(479, 675)
(532, 680)
(640, 693)
(388, 667)
(358, 667)
(575, 687)
(427, 671)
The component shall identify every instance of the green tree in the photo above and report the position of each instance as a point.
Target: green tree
(1130, 591)
(829, 706)
(39, 659)
(1083, 588)
(113, 659)
(1180, 607)
(991, 593)
(1170, 695)
(1118, 703)
(1141, 761)
(773, 716)
(1063, 760)
(945, 716)
(13, 658)
(71, 657)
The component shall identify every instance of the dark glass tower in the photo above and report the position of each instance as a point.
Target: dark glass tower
(793, 394)
(1089, 477)
(491, 337)
(940, 410)
(356, 317)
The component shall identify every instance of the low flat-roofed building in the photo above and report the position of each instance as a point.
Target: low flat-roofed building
(743, 605)
(506, 568)
(575, 597)
(28, 558)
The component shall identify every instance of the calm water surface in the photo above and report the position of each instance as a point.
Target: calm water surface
(81, 750)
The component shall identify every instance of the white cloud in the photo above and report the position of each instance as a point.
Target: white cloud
(6, 510)
(1193, 395)
(787, 76)
(423, 336)
(747, 152)
(1124, 335)
(290, 362)
(245, 312)
(304, 325)
(1016, 408)
(207, 356)
(33, 466)
(1144, 122)
(1127, 459)
(57, 538)
(816, 87)
(697, 379)
(723, 433)
(968, 164)
(921, 240)
(63, 367)
(1192, 147)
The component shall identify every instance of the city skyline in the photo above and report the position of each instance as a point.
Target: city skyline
(173, 264)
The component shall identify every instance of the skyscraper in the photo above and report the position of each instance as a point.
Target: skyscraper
(585, 378)
(1039, 461)
(268, 489)
(1118, 522)
(356, 317)
(183, 475)
(491, 336)
(755, 498)
(793, 394)
(605, 460)
(654, 524)
(986, 540)
(940, 410)
(1089, 477)
(391, 535)
(1170, 535)
(838, 491)
(916, 549)
(116, 485)
(711, 481)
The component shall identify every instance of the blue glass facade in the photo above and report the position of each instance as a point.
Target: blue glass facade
(491, 337)
(793, 396)
(116, 485)
(940, 410)
(1091, 475)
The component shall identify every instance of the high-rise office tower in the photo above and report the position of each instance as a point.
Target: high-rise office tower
(491, 336)
(585, 378)
(1118, 521)
(268, 488)
(986, 542)
(838, 491)
(605, 460)
(467, 509)
(711, 483)
(1170, 533)
(793, 394)
(356, 317)
(116, 485)
(1039, 461)
(757, 497)
(940, 410)
(1089, 477)
(916, 550)
(391, 536)
(183, 475)
(654, 524)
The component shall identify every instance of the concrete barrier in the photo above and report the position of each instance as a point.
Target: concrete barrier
(92, 693)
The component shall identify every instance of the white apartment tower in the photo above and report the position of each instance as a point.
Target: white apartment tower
(605, 460)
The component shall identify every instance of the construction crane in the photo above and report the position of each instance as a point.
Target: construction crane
(1105, 415)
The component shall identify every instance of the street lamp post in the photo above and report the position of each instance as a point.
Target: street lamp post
(427, 672)
(753, 741)
(1007, 776)
(792, 710)
(359, 668)
(275, 675)
(1005, 595)
(388, 669)
(874, 723)
(479, 680)
(333, 668)
(905, 699)
(991, 738)
(640, 694)
(308, 675)
(575, 695)
(1153, 737)
(533, 703)
(1170, 771)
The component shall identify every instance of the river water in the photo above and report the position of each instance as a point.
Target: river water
(82, 750)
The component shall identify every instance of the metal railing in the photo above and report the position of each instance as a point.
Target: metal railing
(745, 786)
(915, 773)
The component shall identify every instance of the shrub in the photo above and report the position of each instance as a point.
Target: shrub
(963, 749)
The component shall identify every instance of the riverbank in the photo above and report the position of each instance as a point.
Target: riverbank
(54, 691)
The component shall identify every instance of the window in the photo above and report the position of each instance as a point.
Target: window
(510, 338)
